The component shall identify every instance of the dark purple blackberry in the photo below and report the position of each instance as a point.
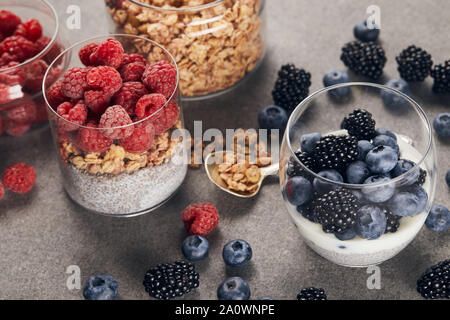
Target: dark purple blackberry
(311, 294)
(167, 281)
(393, 221)
(441, 75)
(295, 169)
(336, 152)
(422, 177)
(360, 124)
(435, 281)
(307, 211)
(367, 59)
(414, 64)
(291, 87)
(336, 211)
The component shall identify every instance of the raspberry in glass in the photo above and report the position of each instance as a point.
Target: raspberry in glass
(116, 116)
(31, 30)
(141, 140)
(23, 111)
(8, 22)
(76, 114)
(85, 53)
(14, 128)
(160, 77)
(105, 78)
(92, 140)
(129, 94)
(14, 76)
(108, 53)
(96, 101)
(55, 95)
(74, 83)
(19, 48)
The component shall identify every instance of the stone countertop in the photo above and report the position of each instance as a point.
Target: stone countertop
(44, 232)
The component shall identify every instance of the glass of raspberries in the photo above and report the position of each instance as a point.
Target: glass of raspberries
(358, 177)
(116, 120)
(29, 42)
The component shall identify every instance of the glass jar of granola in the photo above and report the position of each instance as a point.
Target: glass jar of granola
(117, 123)
(216, 44)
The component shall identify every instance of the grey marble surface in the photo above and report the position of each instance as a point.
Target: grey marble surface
(43, 233)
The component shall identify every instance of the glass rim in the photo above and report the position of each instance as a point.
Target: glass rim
(92, 39)
(193, 8)
(311, 97)
(49, 45)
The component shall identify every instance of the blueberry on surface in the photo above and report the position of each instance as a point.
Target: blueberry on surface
(392, 99)
(438, 219)
(334, 77)
(408, 203)
(364, 147)
(382, 159)
(308, 141)
(346, 235)
(402, 167)
(100, 287)
(370, 222)
(441, 125)
(298, 190)
(385, 132)
(387, 141)
(195, 248)
(357, 172)
(234, 288)
(323, 186)
(381, 193)
(237, 253)
(273, 117)
(366, 33)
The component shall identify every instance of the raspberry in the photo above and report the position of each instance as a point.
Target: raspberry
(200, 219)
(74, 83)
(164, 119)
(149, 104)
(160, 77)
(108, 53)
(92, 140)
(23, 111)
(6, 58)
(96, 100)
(141, 140)
(14, 128)
(76, 114)
(4, 94)
(54, 94)
(85, 53)
(19, 178)
(52, 53)
(31, 30)
(19, 48)
(132, 71)
(2, 191)
(8, 22)
(12, 77)
(131, 58)
(105, 78)
(116, 116)
(128, 95)
(35, 74)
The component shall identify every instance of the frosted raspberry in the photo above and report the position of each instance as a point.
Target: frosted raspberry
(200, 218)
(14, 76)
(6, 58)
(132, 71)
(19, 178)
(131, 58)
(166, 118)
(35, 74)
(19, 48)
(105, 78)
(160, 77)
(92, 140)
(14, 128)
(2, 191)
(116, 116)
(86, 52)
(31, 30)
(128, 95)
(163, 119)
(141, 140)
(8, 22)
(76, 114)
(74, 83)
(149, 104)
(97, 101)
(54, 94)
(108, 53)
(23, 111)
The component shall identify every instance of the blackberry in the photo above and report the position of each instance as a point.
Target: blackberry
(291, 87)
(307, 210)
(435, 282)
(336, 211)
(441, 75)
(422, 177)
(295, 169)
(312, 294)
(167, 281)
(336, 152)
(360, 124)
(367, 59)
(393, 221)
(414, 64)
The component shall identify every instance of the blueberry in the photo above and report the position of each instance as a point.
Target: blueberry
(308, 141)
(100, 287)
(195, 248)
(439, 219)
(346, 235)
(408, 203)
(364, 147)
(392, 99)
(441, 124)
(234, 288)
(334, 77)
(273, 117)
(378, 194)
(382, 159)
(402, 167)
(324, 187)
(357, 172)
(366, 33)
(237, 253)
(385, 132)
(370, 222)
(447, 178)
(387, 141)
(298, 190)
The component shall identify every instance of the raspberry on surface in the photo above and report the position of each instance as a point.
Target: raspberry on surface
(96, 100)
(108, 53)
(23, 111)
(19, 178)
(116, 116)
(35, 72)
(55, 95)
(31, 30)
(132, 71)
(14, 128)
(128, 95)
(141, 139)
(18, 47)
(74, 83)
(160, 77)
(85, 53)
(149, 104)
(92, 140)
(12, 77)
(8, 22)
(200, 218)
(104, 78)
(2, 191)
(77, 114)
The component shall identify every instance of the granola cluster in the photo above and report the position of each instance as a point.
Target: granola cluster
(214, 47)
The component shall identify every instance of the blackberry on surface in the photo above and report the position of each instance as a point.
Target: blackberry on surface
(336, 152)
(167, 281)
(435, 282)
(367, 59)
(414, 64)
(312, 294)
(336, 211)
(291, 87)
(441, 75)
(393, 221)
(360, 124)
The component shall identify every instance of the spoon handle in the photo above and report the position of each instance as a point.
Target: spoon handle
(271, 170)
